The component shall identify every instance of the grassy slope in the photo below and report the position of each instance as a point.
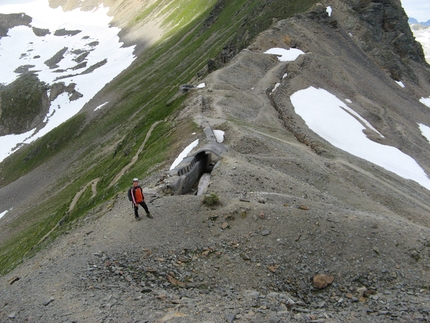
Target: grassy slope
(148, 92)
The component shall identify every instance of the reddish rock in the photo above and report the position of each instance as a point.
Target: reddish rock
(321, 281)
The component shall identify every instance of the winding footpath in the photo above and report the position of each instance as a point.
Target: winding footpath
(135, 157)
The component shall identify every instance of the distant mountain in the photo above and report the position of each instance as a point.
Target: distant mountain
(413, 21)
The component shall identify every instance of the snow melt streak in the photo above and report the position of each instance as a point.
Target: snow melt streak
(325, 115)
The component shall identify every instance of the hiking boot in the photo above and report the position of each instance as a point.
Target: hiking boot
(137, 218)
(149, 215)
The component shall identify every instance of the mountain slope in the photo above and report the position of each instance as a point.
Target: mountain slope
(292, 204)
(98, 144)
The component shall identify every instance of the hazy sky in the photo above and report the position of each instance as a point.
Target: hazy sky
(418, 9)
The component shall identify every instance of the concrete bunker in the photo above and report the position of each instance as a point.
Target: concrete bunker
(184, 176)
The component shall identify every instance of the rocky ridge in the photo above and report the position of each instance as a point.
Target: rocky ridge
(303, 232)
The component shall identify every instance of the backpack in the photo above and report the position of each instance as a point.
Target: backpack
(129, 194)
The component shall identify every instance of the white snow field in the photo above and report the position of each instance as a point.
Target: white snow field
(89, 51)
(327, 116)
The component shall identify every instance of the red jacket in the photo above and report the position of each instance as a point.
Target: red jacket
(137, 194)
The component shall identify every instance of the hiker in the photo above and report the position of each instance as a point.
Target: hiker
(137, 197)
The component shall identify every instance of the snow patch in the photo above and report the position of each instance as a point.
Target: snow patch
(275, 87)
(285, 55)
(2, 214)
(10, 143)
(184, 153)
(285, 75)
(425, 130)
(101, 106)
(348, 100)
(359, 117)
(400, 83)
(425, 101)
(327, 116)
(201, 86)
(329, 11)
(219, 135)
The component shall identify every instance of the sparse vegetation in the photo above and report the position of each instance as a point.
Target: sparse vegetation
(210, 199)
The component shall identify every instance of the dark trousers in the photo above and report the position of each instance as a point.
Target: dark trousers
(143, 204)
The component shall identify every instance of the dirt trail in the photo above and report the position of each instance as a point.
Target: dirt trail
(78, 195)
(135, 157)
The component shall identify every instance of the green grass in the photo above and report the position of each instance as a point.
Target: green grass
(148, 93)
(210, 199)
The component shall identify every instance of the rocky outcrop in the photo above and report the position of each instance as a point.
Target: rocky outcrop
(380, 28)
(23, 104)
(12, 20)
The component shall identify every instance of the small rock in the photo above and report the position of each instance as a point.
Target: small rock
(303, 207)
(12, 315)
(251, 293)
(273, 268)
(13, 280)
(224, 225)
(265, 232)
(274, 319)
(49, 301)
(321, 281)
(230, 317)
(361, 291)
(262, 215)
(245, 256)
